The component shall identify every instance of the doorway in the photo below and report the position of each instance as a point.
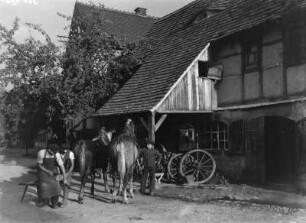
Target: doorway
(280, 150)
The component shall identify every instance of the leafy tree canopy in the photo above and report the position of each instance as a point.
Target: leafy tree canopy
(50, 84)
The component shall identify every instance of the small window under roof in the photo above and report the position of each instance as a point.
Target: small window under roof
(199, 17)
(203, 68)
(205, 14)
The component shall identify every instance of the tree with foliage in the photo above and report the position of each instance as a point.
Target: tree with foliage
(97, 63)
(50, 86)
(33, 68)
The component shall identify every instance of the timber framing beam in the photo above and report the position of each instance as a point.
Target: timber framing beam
(151, 126)
(160, 121)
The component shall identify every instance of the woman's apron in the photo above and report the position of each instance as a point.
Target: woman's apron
(47, 185)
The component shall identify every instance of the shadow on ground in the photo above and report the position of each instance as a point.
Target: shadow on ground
(16, 168)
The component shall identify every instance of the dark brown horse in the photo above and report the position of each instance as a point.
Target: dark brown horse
(123, 156)
(91, 155)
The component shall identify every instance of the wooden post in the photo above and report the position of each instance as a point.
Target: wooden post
(151, 125)
(301, 157)
(261, 149)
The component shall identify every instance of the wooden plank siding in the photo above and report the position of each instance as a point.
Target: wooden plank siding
(192, 93)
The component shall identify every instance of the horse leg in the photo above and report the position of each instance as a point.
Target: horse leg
(114, 187)
(114, 181)
(81, 194)
(131, 186)
(107, 190)
(92, 190)
(125, 183)
(120, 185)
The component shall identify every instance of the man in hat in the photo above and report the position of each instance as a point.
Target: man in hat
(150, 156)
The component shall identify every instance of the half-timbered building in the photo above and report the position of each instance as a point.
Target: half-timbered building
(228, 76)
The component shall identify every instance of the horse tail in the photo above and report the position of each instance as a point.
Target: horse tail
(136, 152)
(121, 159)
(80, 155)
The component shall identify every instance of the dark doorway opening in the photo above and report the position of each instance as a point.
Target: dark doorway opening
(280, 151)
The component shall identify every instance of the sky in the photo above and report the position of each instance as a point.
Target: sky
(44, 12)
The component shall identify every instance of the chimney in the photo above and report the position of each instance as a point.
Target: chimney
(141, 11)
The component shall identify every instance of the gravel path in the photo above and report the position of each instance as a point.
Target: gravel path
(171, 204)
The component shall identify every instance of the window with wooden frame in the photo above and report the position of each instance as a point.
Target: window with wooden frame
(250, 56)
(214, 136)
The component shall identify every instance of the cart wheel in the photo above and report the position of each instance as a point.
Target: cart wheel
(173, 165)
(198, 163)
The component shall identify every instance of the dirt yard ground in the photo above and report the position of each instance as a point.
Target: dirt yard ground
(171, 203)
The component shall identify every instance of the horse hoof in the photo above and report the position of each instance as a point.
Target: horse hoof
(125, 201)
(81, 201)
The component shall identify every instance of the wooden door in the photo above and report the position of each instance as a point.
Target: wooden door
(254, 150)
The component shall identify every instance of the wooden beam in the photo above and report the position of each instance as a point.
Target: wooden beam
(186, 112)
(151, 129)
(160, 122)
(285, 59)
(144, 124)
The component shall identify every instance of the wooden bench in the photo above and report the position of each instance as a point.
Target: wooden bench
(28, 184)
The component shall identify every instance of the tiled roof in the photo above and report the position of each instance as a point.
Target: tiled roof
(180, 42)
(221, 4)
(128, 25)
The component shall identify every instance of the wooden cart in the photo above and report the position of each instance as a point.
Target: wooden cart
(194, 164)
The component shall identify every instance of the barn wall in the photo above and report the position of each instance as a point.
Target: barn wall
(251, 165)
(251, 86)
(296, 79)
(192, 93)
(273, 80)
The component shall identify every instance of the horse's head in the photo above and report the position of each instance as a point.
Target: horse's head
(110, 134)
(128, 122)
(104, 136)
(129, 127)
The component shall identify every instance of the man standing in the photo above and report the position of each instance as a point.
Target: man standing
(149, 155)
(68, 161)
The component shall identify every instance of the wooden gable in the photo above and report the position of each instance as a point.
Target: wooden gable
(190, 93)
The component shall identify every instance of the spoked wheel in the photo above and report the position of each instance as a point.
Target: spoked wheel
(173, 165)
(198, 163)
